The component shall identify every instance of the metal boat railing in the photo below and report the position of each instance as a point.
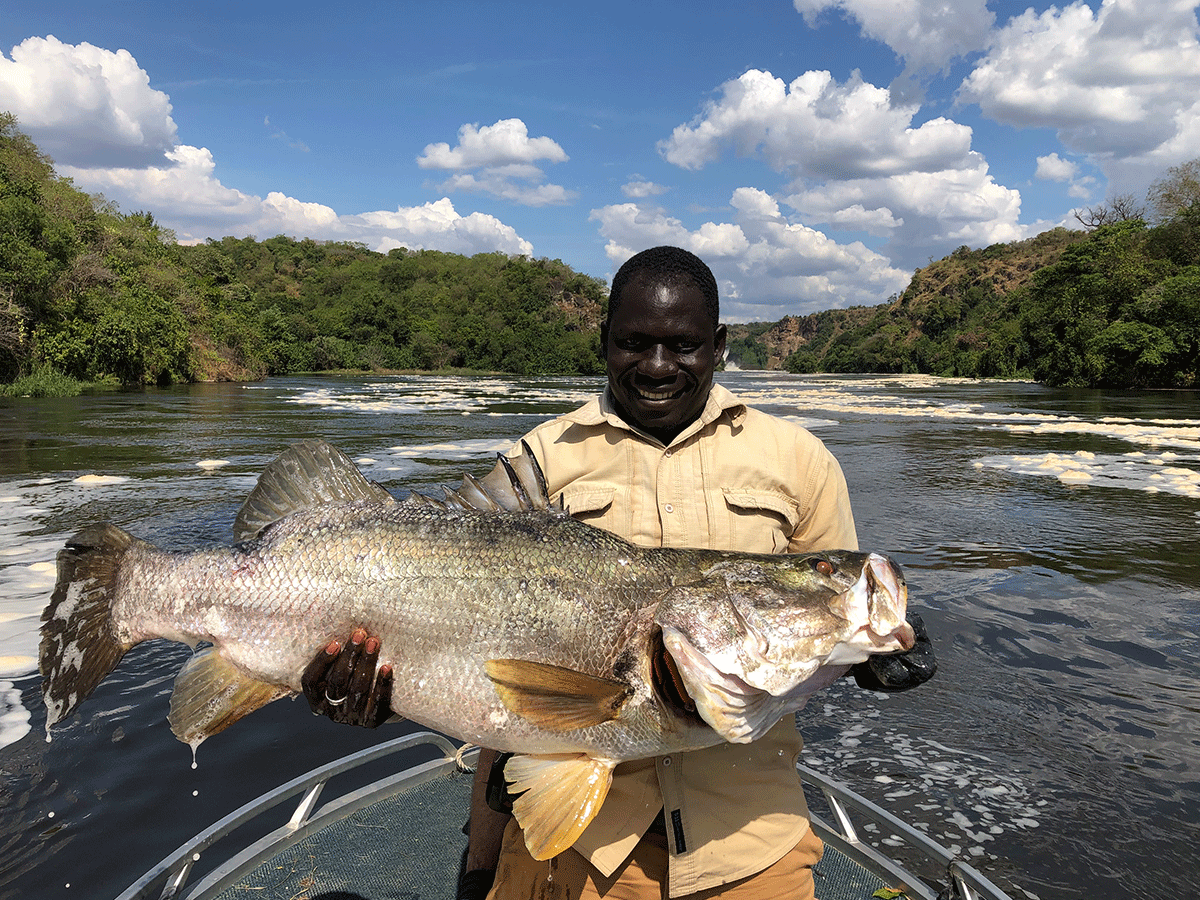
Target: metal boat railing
(169, 879)
(175, 869)
(965, 882)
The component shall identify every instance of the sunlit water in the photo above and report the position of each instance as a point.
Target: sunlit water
(1049, 539)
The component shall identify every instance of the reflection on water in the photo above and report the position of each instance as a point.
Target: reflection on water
(1049, 539)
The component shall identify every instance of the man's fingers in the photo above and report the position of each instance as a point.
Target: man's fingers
(379, 705)
(313, 677)
(358, 697)
(337, 685)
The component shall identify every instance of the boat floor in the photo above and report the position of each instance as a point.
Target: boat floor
(409, 846)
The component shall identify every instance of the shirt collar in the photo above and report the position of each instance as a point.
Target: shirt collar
(601, 409)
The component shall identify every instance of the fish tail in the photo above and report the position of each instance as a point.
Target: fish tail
(79, 644)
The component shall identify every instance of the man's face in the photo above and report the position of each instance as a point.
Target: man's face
(661, 349)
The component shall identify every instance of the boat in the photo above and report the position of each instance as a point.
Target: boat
(402, 835)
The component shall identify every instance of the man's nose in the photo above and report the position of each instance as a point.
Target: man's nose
(658, 361)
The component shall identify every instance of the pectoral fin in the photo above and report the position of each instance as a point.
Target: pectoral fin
(211, 694)
(559, 796)
(556, 698)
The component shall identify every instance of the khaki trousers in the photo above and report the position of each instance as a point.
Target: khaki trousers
(643, 876)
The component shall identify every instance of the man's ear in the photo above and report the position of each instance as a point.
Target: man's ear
(719, 342)
(604, 341)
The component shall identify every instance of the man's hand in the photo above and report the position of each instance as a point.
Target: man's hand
(341, 682)
(899, 671)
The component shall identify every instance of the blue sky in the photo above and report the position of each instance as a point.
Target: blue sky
(813, 152)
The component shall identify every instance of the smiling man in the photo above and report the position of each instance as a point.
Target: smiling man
(665, 458)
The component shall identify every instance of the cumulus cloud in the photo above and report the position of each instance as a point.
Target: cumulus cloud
(638, 188)
(767, 266)
(816, 127)
(85, 106)
(188, 198)
(1120, 83)
(504, 159)
(856, 161)
(926, 34)
(94, 112)
(1054, 168)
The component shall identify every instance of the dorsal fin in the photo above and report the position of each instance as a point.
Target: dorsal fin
(514, 484)
(304, 475)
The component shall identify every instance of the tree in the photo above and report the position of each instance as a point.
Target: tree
(1119, 209)
(1176, 192)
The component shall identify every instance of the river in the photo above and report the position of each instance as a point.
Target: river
(1049, 538)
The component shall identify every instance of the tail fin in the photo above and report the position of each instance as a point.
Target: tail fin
(79, 643)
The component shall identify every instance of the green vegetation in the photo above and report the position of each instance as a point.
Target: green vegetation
(89, 295)
(1115, 307)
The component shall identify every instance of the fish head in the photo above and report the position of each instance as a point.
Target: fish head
(757, 634)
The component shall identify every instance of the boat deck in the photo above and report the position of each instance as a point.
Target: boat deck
(409, 846)
(401, 838)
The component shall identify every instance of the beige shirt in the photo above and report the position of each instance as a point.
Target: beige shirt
(735, 479)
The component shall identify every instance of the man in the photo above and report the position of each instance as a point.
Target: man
(666, 458)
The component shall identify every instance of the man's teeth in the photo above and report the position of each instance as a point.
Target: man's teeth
(656, 395)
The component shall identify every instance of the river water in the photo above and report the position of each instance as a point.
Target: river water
(1049, 539)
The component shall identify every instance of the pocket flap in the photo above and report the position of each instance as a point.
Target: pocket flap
(591, 499)
(756, 500)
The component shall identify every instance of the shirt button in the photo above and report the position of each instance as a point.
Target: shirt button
(668, 507)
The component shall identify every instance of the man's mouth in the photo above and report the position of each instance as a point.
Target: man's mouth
(658, 395)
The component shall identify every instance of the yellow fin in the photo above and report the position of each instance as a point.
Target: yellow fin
(555, 698)
(211, 694)
(559, 795)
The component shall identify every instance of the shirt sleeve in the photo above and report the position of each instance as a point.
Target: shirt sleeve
(827, 521)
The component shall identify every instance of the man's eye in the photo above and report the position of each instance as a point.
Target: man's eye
(689, 347)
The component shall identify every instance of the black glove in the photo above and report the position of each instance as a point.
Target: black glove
(899, 671)
(348, 673)
(474, 885)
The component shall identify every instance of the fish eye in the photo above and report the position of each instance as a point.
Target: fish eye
(823, 566)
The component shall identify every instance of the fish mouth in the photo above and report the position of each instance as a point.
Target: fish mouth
(877, 600)
(732, 707)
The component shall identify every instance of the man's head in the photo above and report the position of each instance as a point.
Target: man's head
(662, 340)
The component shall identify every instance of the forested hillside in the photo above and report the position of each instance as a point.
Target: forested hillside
(94, 294)
(91, 294)
(1117, 306)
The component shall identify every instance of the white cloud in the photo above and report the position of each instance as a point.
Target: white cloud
(115, 135)
(1055, 168)
(926, 34)
(767, 267)
(491, 146)
(1118, 83)
(85, 106)
(638, 188)
(855, 161)
(504, 157)
(187, 198)
(816, 127)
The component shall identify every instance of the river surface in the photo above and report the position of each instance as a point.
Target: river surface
(1050, 540)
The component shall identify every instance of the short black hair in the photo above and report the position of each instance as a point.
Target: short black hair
(667, 265)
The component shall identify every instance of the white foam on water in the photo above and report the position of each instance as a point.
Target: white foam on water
(419, 394)
(975, 799)
(91, 480)
(1134, 471)
(211, 464)
(14, 717)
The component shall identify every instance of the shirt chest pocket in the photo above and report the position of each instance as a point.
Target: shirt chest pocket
(592, 504)
(760, 521)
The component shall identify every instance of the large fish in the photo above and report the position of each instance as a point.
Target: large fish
(506, 622)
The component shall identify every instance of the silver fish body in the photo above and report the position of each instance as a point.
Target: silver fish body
(506, 623)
